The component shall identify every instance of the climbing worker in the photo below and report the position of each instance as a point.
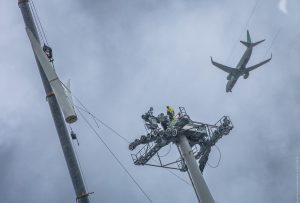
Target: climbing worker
(48, 52)
(170, 113)
(164, 121)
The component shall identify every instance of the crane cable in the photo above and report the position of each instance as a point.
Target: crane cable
(81, 171)
(43, 37)
(84, 109)
(243, 30)
(114, 155)
(180, 178)
(95, 118)
(273, 41)
(38, 22)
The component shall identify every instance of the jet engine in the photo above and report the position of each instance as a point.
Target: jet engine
(228, 77)
(246, 75)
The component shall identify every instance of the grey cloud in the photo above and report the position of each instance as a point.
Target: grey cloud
(124, 56)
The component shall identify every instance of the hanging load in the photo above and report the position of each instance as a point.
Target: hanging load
(62, 93)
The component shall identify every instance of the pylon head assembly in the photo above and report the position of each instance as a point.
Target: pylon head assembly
(163, 130)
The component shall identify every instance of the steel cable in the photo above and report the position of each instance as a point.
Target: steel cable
(114, 155)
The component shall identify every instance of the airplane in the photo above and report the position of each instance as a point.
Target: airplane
(235, 73)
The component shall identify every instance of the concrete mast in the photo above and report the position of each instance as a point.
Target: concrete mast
(185, 133)
(63, 134)
(297, 178)
(200, 186)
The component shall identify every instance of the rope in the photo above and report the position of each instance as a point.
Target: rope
(92, 115)
(273, 41)
(39, 22)
(218, 160)
(126, 140)
(243, 30)
(95, 118)
(166, 152)
(118, 134)
(81, 169)
(104, 124)
(177, 176)
(86, 110)
(79, 163)
(36, 22)
(43, 37)
(114, 156)
(180, 178)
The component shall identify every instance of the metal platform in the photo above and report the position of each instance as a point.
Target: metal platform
(162, 131)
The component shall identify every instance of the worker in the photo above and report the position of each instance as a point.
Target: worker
(170, 113)
(164, 121)
(48, 52)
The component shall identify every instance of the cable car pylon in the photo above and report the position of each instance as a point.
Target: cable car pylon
(194, 140)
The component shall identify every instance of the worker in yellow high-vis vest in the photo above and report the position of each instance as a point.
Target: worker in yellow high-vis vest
(170, 113)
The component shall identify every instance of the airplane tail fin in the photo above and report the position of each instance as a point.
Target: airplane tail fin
(248, 37)
(249, 42)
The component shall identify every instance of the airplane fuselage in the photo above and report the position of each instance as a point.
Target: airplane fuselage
(239, 71)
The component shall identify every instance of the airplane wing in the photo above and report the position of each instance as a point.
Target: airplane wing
(222, 67)
(258, 65)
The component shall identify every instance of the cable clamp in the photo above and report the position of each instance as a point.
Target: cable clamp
(49, 94)
(83, 195)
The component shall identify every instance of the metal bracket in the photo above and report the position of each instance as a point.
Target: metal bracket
(83, 195)
(201, 138)
(49, 94)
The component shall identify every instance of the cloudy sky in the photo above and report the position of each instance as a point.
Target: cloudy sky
(125, 56)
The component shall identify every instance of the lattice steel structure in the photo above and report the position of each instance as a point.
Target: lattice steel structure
(162, 132)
